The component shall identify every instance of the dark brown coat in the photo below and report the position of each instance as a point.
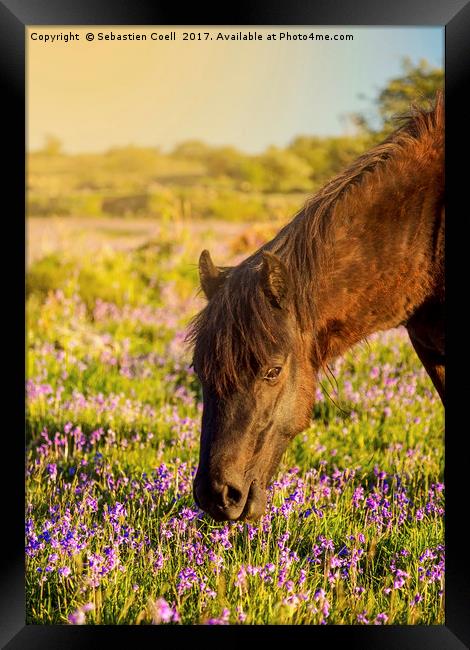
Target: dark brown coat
(366, 253)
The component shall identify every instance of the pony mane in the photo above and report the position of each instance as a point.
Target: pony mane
(238, 330)
(236, 333)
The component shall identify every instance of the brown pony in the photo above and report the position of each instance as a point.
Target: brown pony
(366, 253)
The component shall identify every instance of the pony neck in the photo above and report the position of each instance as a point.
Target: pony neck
(382, 263)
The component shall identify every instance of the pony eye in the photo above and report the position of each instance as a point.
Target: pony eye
(272, 373)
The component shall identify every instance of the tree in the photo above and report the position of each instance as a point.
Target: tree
(328, 156)
(417, 85)
(52, 145)
(191, 150)
(285, 171)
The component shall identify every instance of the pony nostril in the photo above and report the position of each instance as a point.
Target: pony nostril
(232, 495)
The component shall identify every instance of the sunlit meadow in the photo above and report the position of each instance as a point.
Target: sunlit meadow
(354, 530)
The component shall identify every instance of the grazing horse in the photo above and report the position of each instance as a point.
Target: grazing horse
(366, 253)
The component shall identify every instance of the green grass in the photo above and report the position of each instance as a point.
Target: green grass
(113, 418)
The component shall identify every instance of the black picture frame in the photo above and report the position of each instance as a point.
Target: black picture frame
(15, 16)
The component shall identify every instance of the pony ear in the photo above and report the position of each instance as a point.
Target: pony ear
(210, 276)
(275, 280)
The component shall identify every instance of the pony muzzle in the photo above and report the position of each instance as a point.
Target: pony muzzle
(229, 499)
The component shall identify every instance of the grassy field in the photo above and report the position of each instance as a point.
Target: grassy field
(354, 531)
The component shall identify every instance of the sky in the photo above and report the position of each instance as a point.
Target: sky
(94, 95)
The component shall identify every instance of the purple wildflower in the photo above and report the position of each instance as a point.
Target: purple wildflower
(362, 618)
(64, 571)
(381, 619)
(162, 612)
